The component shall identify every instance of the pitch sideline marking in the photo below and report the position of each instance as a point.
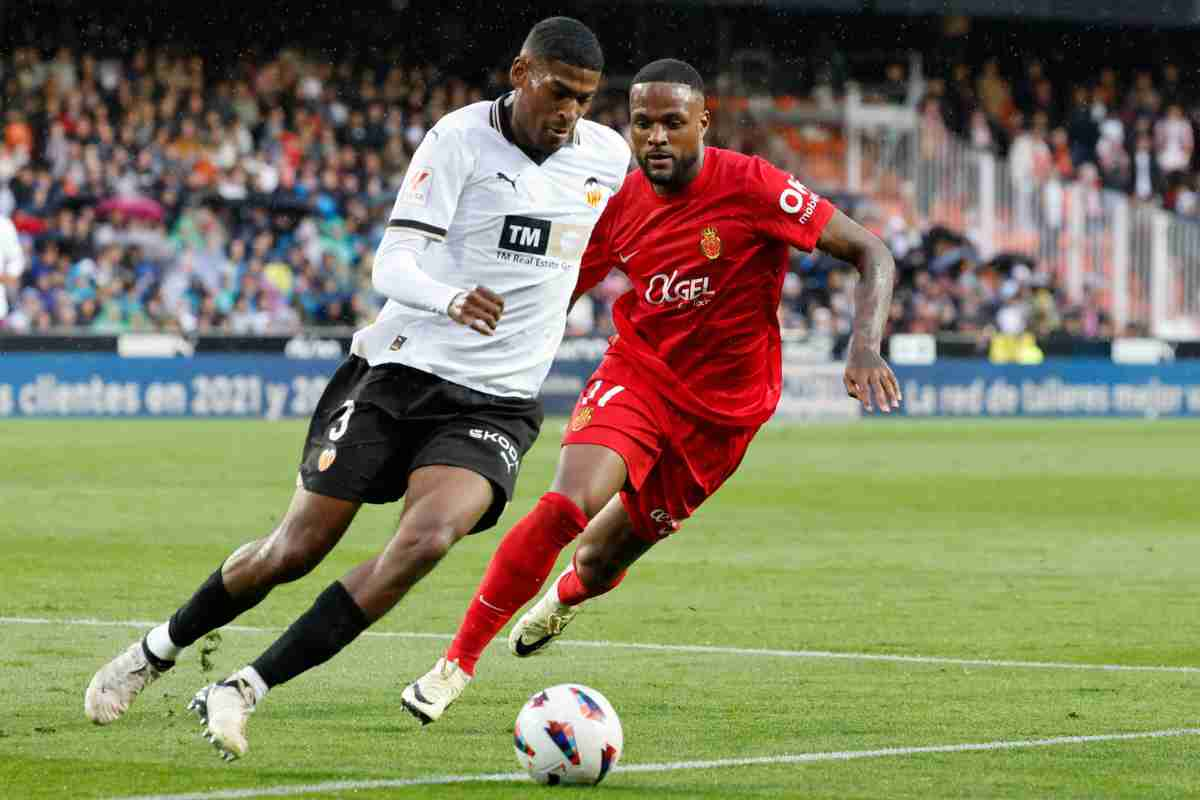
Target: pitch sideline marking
(675, 766)
(679, 648)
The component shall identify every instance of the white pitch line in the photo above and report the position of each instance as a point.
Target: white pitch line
(681, 648)
(675, 766)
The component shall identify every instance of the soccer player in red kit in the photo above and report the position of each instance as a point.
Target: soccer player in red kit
(694, 371)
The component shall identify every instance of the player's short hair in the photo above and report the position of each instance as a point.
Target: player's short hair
(567, 40)
(670, 70)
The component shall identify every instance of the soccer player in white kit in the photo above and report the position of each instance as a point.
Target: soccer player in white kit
(438, 400)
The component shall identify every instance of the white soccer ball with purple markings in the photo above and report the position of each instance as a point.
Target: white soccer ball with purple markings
(568, 734)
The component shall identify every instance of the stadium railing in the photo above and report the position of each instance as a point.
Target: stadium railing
(1140, 262)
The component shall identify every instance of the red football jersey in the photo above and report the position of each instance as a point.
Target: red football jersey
(707, 267)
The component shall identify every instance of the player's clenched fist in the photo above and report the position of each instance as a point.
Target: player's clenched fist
(479, 309)
(868, 374)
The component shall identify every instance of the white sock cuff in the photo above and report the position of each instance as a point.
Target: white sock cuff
(553, 593)
(250, 675)
(158, 642)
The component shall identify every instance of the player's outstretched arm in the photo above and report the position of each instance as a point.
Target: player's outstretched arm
(867, 375)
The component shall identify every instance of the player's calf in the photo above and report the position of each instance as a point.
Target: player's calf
(309, 530)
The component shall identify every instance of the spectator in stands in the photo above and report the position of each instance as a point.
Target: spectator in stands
(1114, 161)
(1023, 92)
(1046, 102)
(1173, 142)
(895, 84)
(932, 139)
(1172, 88)
(1146, 181)
(1060, 154)
(981, 135)
(1143, 102)
(994, 95)
(1083, 127)
(1030, 164)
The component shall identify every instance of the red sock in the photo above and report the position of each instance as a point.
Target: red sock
(516, 573)
(571, 591)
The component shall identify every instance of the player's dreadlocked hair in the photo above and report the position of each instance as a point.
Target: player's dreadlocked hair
(670, 70)
(567, 40)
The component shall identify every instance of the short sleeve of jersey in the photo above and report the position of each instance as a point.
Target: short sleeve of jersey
(597, 258)
(435, 179)
(785, 209)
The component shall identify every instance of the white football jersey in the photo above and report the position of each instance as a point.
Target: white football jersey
(504, 222)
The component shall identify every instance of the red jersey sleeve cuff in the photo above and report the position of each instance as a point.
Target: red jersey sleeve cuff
(821, 217)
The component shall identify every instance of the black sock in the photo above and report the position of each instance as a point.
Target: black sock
(210, 608)
(333, 622)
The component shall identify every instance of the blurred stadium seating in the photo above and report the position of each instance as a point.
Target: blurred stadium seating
(173, 187)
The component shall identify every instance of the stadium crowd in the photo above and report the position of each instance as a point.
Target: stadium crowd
(149, 195)
(1131, 130)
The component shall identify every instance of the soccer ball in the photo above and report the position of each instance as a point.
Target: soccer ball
(568, 734)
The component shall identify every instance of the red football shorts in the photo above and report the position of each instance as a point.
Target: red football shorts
(675, 461)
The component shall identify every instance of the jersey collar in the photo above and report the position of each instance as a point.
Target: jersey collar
(501, 119)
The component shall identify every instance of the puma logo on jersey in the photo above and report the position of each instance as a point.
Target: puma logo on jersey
(503, 177)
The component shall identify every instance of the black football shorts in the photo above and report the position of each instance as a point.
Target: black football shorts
(375, 425)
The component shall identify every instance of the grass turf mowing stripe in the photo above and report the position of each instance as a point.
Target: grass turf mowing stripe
(675, 766)
(677, 648)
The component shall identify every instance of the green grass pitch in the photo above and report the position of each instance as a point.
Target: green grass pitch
(1069, 542)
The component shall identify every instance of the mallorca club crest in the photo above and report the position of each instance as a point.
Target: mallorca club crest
(588, 707)
(592, 192)
(710, 243)
(582, 417)
(563, 735)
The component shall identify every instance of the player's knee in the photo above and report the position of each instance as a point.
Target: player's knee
(584, 497)
(428, 541)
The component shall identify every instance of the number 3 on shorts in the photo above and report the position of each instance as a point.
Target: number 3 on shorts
(338, 430)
